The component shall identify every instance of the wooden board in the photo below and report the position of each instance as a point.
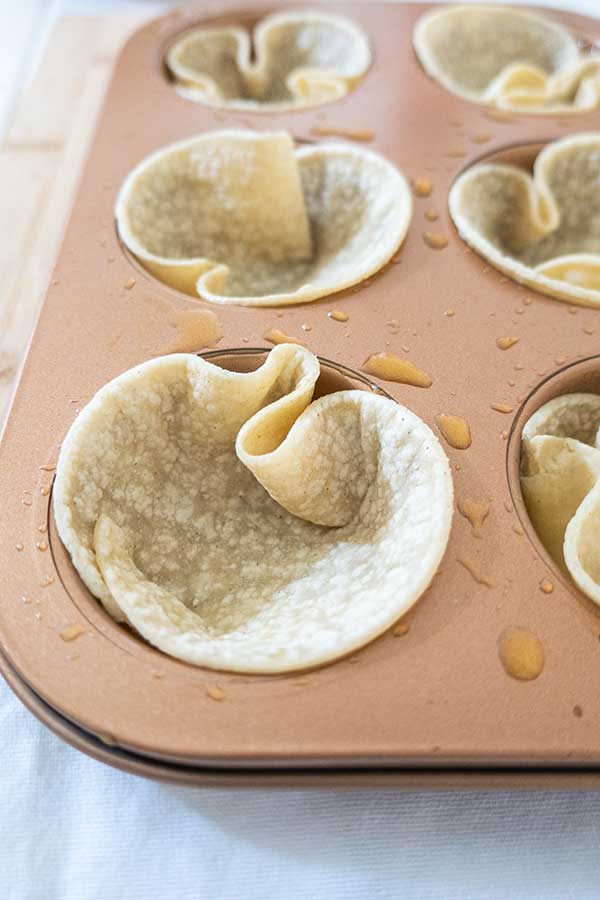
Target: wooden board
(40, 161)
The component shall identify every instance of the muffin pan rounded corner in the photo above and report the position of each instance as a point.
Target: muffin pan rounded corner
(407, 701)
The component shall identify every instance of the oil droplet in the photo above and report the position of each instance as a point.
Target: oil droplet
(504, 435)
(44, 490)
(450, 313)
(572, 310)
(546, 586)
(400, 629)
(498, 115)
(521, 653)
(560, 360)
(422, 187)
(72, 632)
(457, 152)
(518, 530)
(129, 284)
(47, 581)
(26, 500)
(337, 315)
(42, 528)
(476, 513)
(156, 674)
(481, 137)
(431, 215)
(19, 546)
(306, 327)
(455, 430)
(505, 343)
(215, 692)
(435, 240)
(25, 599)
(392, 368)
(198, 328)
(502, 408)
(41, 545)
(353, 134)
(588, 330)
(275, 336)
(577, 711)
(474, 572)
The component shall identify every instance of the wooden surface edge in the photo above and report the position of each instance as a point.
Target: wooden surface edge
(40, 162)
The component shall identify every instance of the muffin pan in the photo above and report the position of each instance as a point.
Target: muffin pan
(431, 695)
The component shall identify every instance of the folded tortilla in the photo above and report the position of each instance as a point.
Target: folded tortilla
(542, 230)
(292, 59)
(509, 58)
(560, 479)
(236, 525)
(240, 217)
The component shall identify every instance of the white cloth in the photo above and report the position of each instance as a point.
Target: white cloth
(74, 829)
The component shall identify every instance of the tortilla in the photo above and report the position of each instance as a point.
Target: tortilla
(560, 473)
(507, 58)
(291, 60)
(239, 217)
(542, 230)
(236, 525)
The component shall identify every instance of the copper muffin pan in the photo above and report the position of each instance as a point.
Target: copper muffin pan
(407, 709)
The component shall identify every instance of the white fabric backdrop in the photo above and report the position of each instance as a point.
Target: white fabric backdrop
(73, 829)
